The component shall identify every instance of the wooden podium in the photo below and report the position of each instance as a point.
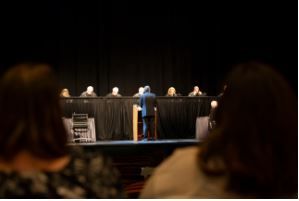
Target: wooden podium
(137, 124)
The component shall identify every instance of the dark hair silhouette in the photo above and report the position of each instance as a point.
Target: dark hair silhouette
(30, 117)
(255, 139)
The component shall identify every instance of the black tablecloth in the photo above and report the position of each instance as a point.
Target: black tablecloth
(176, 116)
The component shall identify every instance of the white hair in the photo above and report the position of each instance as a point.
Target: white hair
(89, 89)
(115, 90)
(214, 104)
(140, 90)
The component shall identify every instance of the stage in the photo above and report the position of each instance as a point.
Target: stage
(129, 143)
(120, 149)
(113, 117)
(136, 160)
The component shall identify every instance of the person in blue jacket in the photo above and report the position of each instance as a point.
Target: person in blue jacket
(148, 104)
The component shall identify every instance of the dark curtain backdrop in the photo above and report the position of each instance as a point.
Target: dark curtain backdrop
(106, 45)
(129, 44)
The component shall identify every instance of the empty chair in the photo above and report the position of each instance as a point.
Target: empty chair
(80, 128)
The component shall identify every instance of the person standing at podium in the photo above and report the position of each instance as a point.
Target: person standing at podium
(148, 104)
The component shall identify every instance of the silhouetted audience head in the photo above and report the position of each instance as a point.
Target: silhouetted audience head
(30, 113)
(35, 161)
(255, 138)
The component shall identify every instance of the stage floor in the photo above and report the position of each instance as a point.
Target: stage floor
(136, 143)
